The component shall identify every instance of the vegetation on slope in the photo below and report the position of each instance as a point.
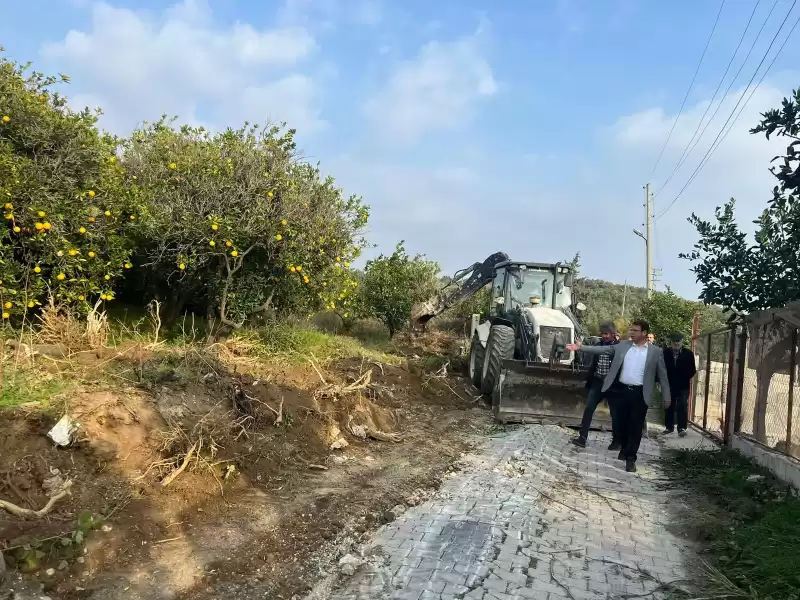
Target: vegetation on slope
(747, 521)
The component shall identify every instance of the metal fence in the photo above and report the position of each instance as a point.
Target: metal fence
(768, 394)
(709, 402)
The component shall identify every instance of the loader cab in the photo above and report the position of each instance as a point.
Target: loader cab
(516, 285)
(498, 299)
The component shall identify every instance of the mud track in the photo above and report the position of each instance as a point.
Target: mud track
(266, 510)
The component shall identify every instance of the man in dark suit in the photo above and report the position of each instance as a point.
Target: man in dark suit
(598, 370)
(681, 369)
(635, 366)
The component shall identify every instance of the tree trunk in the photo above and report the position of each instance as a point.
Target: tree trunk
(174, 309)
(763, 379)
(771, 345)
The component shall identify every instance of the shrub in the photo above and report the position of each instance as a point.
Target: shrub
(234, 222)
(68, 207)
(393, 284)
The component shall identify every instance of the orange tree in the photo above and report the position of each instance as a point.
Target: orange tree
(67, 207)
(342, 296)
(235, 224)
(391, 285)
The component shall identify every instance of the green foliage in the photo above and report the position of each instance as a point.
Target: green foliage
(32, 555)
(478, 304)
(228, 225)
(20, 387)
(67, 206)
(752, 528)
(235, 219)
(296, 342)
(604, 302)
(393, 284)
(668, 313)
(735, 273)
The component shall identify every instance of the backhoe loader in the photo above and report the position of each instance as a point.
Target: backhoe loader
(518, 354)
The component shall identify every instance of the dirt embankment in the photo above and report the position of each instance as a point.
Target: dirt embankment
(203, 483)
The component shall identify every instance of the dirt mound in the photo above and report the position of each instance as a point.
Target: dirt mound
(208, 472)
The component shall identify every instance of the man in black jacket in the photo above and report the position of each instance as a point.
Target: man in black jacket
(681, 368)
(594, 382)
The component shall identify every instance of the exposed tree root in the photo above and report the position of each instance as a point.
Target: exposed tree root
(186, 460)
(37, 514)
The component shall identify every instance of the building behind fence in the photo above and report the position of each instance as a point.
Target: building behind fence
(747, 381)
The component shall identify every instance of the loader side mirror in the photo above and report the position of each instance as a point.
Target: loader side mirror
(580, 307)
(569, 279)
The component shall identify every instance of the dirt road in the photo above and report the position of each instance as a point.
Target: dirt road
(531, 517)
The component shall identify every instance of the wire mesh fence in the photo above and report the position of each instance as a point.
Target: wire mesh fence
(709, 404)
(769, 395)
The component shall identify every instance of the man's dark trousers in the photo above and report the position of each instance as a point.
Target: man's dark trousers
(593, 400)
(679, 406)
(631, 413)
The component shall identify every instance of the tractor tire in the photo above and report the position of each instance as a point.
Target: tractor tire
(477, 354)
(499, 347)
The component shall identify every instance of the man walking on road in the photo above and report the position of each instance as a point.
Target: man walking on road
(681, 369)
(598, 370)
(635, 366)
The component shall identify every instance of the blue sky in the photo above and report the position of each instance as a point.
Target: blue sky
(469, 127)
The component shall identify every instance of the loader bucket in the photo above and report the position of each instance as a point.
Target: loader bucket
(526, 393)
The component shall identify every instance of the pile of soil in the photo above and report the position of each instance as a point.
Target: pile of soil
(265, 475)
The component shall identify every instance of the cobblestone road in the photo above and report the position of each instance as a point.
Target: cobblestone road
(532, 517)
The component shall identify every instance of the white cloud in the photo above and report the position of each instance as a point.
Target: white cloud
(326, 14)
(737, 168)
(138, 66)
(437, 90)
(546, 207)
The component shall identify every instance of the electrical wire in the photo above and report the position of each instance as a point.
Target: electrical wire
(714, 144)
(730, 85)
(691, 85)
(753, 91)
(686, 151)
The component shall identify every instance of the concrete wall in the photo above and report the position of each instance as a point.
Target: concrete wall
(785, 468)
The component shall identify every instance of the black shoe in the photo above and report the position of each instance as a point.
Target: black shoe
(682, 432)
(580, 442)
(615, 446)
(668, 431)
(630, 466)
(621, 455)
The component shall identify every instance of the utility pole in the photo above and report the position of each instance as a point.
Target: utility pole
(624, 296)
(647, 237)
(647, 225)
(656, 278)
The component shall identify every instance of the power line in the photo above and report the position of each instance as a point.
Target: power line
(714, 144)
(730, 85)
(763, 76)
(691, 85)
(684, 154)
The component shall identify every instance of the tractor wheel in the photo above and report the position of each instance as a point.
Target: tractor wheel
(477, 354)
(499, 347)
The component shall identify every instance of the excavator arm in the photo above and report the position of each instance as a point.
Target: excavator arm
(464, 284)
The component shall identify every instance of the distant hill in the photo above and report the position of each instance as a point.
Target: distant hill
(604, 301)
